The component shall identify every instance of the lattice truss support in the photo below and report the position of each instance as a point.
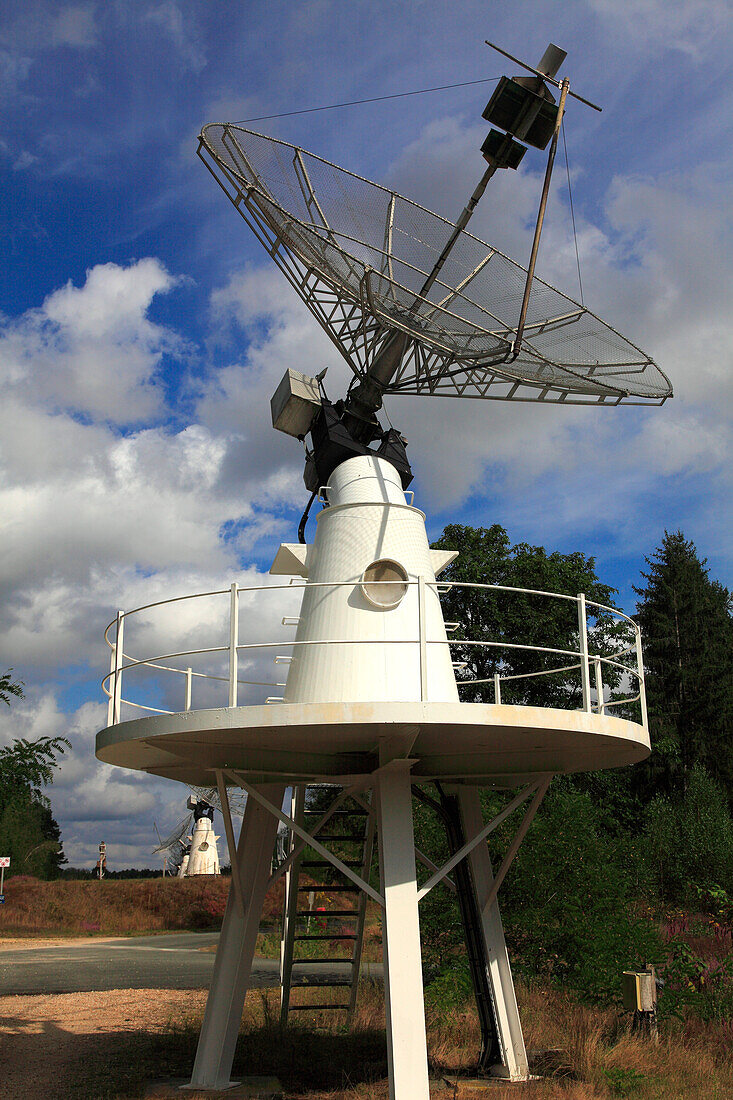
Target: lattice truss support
(362, 324)
(398, 896)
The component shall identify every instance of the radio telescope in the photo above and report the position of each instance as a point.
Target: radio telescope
(175, 844)
(417, 306)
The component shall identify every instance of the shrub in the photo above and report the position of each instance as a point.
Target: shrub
(688, 844)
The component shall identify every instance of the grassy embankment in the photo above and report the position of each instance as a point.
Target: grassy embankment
(118, 907)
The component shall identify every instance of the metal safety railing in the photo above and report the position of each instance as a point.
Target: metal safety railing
(624, 664)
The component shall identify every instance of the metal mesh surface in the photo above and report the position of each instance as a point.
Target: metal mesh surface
(359, 255)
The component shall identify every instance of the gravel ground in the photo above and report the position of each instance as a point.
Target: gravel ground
(45, 1041)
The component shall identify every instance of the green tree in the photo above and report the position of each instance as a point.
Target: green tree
(514, 619)
(688, 650)
(28, 832)
(688, 842)
(9, 687)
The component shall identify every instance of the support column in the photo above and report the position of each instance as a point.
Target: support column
(403, 988)
(233, 964)
(506, 1012)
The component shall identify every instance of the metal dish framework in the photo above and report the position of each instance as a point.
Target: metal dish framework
(359, 254)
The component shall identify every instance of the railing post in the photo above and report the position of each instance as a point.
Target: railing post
(423, 641)
(119, 657)
(233, 643)
(601, 707)
(640, 671)
(497, 688)
(111, 686)
(189, 679)
(583, 652)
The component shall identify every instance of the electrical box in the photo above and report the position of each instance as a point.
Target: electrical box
(639, 991)
(501, 150)
(295, 404)
(521, 111)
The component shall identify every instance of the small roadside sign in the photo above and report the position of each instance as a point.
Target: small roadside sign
(2, 899)
(4, 861)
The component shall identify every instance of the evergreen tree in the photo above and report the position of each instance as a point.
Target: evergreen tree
(687, 634)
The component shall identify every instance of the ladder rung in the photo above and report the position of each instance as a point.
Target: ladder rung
(331, 983)
(327, 863)
(315, 1008)
(331, 959)
(340, 813)
(329, 888)
(327, 936)
(339, 836)
(321, 913)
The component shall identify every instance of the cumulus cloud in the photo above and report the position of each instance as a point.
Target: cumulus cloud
(73, 26)
(92, 350)
(687, 25)
(169, 17)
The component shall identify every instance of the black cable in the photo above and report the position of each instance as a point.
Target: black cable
(304, 518)
(375, 99)
(572, 214)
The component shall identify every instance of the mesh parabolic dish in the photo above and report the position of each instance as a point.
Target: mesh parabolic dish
(358, 254)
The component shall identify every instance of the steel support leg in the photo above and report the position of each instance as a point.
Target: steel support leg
(218, 1038)
(405, 1010)
(290, 908)
(506, 1013)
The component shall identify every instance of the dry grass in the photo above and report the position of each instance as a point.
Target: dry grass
(592, 1055)
(117, 907)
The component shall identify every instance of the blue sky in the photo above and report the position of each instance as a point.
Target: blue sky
(142, 330)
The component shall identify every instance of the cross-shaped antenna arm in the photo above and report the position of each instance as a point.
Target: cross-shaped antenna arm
(550, 79)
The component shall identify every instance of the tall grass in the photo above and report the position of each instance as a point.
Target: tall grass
(117, 907)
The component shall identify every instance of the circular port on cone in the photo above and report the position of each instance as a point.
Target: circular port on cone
(384, 583)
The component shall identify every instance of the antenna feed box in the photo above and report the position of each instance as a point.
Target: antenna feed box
(295, 404)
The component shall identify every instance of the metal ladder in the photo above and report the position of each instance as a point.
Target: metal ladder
(357, 822)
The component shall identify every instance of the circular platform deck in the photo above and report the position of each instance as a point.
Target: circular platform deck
(496, 745)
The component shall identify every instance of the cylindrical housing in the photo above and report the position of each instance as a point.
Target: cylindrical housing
(366, 634)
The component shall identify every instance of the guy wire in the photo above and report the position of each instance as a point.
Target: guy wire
(375, 99)
(572, 214)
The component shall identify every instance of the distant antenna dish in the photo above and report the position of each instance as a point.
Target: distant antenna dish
(360, 257)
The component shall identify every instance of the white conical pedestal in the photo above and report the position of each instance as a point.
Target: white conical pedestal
(204, 857)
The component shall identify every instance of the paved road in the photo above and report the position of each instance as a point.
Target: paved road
(178, 961)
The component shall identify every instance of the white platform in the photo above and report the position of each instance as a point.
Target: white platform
(498, 746)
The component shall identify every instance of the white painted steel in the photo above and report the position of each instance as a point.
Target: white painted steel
(505, 745)
(634, 668)
(384, 655)
(501, 984)
(233, 643)
(404, 1005)
(231, 842)
(233, 963)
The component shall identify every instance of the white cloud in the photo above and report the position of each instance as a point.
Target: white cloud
(73, 26)
(169, 17)
(685, 25)
(24, 160)
(92, 350)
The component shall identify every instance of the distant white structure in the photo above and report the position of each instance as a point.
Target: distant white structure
(183, 866)
(202, 857)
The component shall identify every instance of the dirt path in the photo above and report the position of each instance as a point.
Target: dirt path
(50, 1045)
